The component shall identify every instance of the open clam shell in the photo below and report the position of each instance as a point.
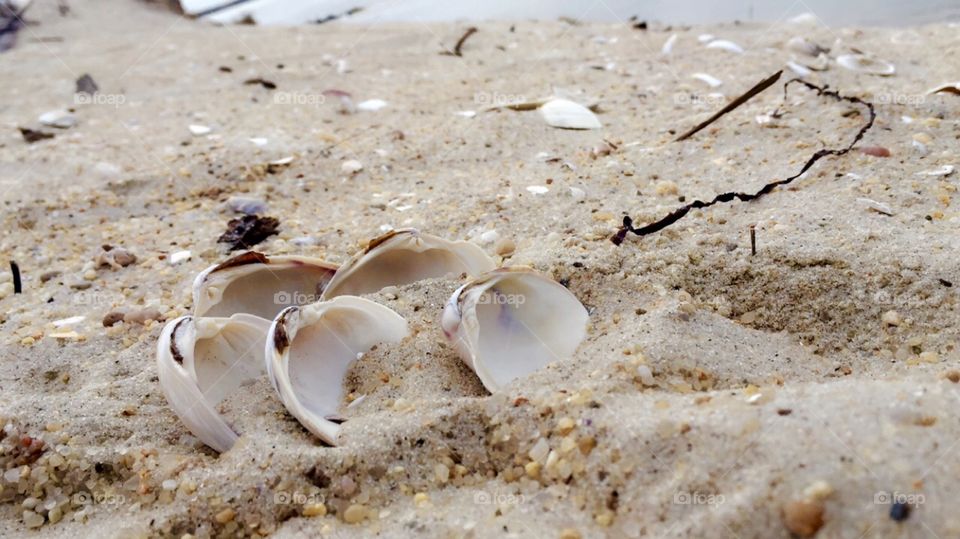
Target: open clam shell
(510, 322)
(202, 360)
(309, 350)
(260, 285)
(404, 256)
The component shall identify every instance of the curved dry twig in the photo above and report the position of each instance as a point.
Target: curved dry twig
(680, 212)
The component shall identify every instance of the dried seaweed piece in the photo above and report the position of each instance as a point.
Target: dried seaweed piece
(33, 135)
(247, 231)
(86, 85)
(680, 212)
(759, 87)
(262, 82)
(463, 39)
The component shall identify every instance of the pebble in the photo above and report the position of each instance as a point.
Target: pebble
(81, 285)
(247, 205)
(225, 516)
(32, 520)
(314, 510)
(352, 166)
(112, 317)
(802, 517)
(875, 151)
(570, 533)
(891, 318)
(114, 257)
(505, 247)
(666, 188)
(46, 276)
(354, 514)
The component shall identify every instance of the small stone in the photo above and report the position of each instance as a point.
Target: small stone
(539, 450)
(505, 247)
(899, 511)
(47, 275)
(352, 166)
(355, 513)
(570, 533)
(565, 425)
(169, 484)
(953, 376)
(421, 499)
(666, 188)
(441, 472)
(111, 318)
(32, 520)
(802, 517)
(533, 469)
(929, 357)
(818, 490)
(604, 518)
(225, 516)
(891, 318)
(314, 510)
(247, 206)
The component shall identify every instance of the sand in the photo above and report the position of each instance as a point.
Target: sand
(719, 394)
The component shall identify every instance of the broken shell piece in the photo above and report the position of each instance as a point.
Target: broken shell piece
(509, 322)
(256, 284)
(803, 46)
(866, 64)
(200, 361)
(945, 170)
(405, 256)
(668, 44)
(710, 80)
(800, 70)
(878, 207)
(566, 114)
(309, 350)
(58, 118)
(949, 88)
(726, 45)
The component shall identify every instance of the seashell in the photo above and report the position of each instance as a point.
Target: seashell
(945, 170)
(866, 64)
(948, 88)
(309, 350)
(710, 80)
(566, 114)
(726, 45)
(405, 256)
(799, 69)
(878, 207)
(247, 205)
(802, 46)
(668, 44)
(199, 130)
(58, 118)
(509, 322)
(200, 361)
(371, 105)
(256, 284)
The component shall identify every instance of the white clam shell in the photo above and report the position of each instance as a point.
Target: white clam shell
(726, 45)
(260, 285)
(309, 350)
(405, 256)
(866, 64)
(566, 114)
(510, 322)
(200, 361)
(710, 80)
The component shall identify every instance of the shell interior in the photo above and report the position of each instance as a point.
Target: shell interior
(203, 360)
(406, 256)
(262, 286)
(310, 349)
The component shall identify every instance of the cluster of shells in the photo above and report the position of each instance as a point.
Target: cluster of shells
(255, 314)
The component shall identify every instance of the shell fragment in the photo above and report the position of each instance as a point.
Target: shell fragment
(566, 114)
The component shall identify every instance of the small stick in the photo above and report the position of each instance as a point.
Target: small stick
(759, 87)
(753, 240)
(17, 285)
(456, 48)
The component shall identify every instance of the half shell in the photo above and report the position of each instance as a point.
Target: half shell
(309, 350)
(510, 322)
(259, 285)
(566, 114)
(405, 256)
(866, 64)
(202, 360)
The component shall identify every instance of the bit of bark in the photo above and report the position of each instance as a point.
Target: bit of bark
(86, 85)
(33, 135)
(262, 82)
(247, 231)
(682, 211)
(463, 39)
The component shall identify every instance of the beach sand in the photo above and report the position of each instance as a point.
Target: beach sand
(718, 394)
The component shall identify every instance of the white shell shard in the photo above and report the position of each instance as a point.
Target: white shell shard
(202, 360)
(866, 64)
(256, 284)
(566, 114)
(948, 88)
(405, 256)
(668, 44)
(726, 45)
(800, 70)
(309, 350)
(371, 105)
(510, 322)
(58, 118)
(945, 170)
(710, 80)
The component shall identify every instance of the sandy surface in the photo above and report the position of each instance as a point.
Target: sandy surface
(776, 383)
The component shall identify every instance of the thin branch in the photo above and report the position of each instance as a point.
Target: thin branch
(759, 87)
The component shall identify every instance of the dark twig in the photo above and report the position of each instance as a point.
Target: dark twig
(680, 212)
(457, 48)
(17, 285)
(753, 240)
(759, 87)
